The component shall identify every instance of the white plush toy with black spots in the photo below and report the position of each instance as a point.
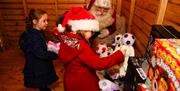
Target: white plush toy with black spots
(103, 51)
(127, 40)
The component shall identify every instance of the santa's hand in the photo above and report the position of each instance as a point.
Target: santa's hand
(54, 47)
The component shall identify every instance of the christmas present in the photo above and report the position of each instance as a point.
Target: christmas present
(160, 31)
(164, 69)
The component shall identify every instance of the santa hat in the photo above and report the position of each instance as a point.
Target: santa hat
(79, 19)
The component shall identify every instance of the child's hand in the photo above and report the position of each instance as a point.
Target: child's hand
(54, 47)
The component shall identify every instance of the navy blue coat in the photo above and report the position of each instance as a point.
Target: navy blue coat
(38, 70)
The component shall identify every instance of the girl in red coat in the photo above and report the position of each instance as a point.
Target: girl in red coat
(80, 61)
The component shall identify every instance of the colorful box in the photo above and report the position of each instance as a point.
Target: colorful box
(164, 69)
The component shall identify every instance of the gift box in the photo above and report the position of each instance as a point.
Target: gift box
(164, 68)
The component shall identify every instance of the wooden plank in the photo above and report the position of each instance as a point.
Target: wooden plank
(60, 11)
(175, 25)
(173, 8)
(144, 27)
(175, 1)
(147, 16)
(40, 1)
(131, 15)
(1, 22)
(72, 1)
(25, 8)
(12, 11)
(52, 18)
(14, 23)
(119, 6)
(40, 6)
(59, 1)
(56, 7)
(10, 1)
(138, 48)
(11, 6)
(13, 34)
(126, 5)
(172, 16)
(149, 5)
(140, 36)
(126, 13)
(161, 11)
(14, 28)
(14, 17)
(68, 6)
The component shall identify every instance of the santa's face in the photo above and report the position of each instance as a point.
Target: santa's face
(101, 11)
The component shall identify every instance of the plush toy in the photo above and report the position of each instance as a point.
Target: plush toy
(127, 41)
(106, 85)
(103, 51)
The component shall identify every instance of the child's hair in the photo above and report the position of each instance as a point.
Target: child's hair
(34, 14)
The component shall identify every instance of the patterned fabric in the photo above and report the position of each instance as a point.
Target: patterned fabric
(71, 42)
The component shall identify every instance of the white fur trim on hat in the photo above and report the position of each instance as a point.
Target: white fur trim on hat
(86, 24)
(103, 3)
(60, 28)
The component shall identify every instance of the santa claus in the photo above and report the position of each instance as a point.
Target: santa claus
(110, 23)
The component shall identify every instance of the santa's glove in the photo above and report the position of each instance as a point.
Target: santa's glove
(103, 33)
(54, 47)
(106, 85)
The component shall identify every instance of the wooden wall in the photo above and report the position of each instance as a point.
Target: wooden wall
(141, 14)
(13, 14)
(172, 15)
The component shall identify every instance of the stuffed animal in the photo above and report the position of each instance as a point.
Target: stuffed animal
(127, 40)
(103, 51)
(124, 42)
(106, 85)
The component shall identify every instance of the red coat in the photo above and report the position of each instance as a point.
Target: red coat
(81, 63)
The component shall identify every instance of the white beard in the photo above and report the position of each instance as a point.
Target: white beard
(105, 19)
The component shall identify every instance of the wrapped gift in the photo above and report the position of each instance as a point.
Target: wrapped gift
(164, 70)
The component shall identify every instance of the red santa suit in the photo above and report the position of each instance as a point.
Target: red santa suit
(80, 65)
(80, 61)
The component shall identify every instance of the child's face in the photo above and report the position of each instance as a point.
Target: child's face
(42, 23)
(87, 34)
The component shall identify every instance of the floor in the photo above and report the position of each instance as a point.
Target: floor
(11, 77)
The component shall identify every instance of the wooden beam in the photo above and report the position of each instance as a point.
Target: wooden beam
(161, 11)
(25, 8)
(119, 5)
(56, 7)
(133, 2)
